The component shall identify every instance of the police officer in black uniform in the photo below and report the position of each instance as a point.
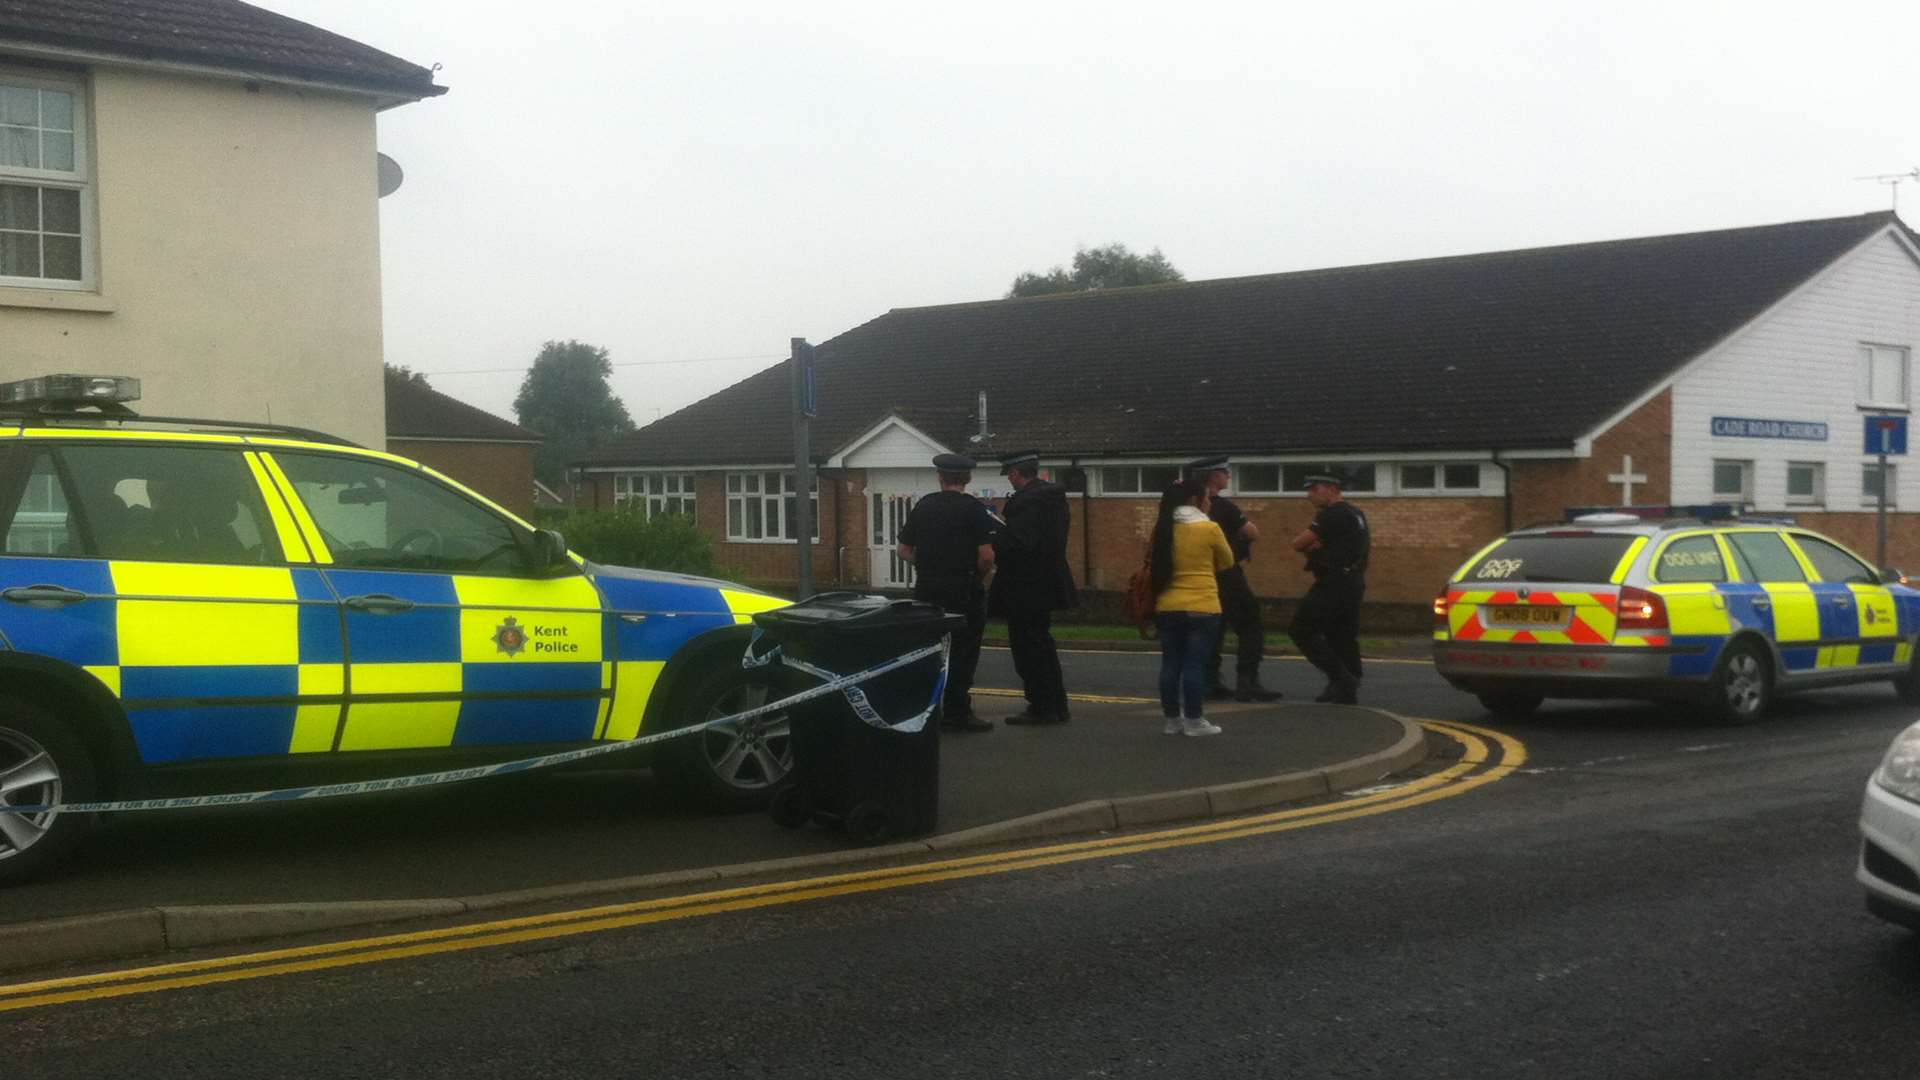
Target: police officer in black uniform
(1326, 627)
(1237, 602)
(948, 537)
(1032, 582)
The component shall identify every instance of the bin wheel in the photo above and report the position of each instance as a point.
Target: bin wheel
(867, 823)
(791, 807)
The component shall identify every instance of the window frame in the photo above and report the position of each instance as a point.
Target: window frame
(1867, 496)
(1869, 397)
(1140, 490)
(638, 485)
(1743, 563)
(1819, 495)
(80, 178)
(767, 500)
(1745, 494)
(1806, 542)
(1659, 562)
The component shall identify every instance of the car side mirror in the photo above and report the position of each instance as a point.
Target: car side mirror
(1892, 576)
(549, 549)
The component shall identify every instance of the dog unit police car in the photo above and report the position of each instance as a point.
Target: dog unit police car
(185, 602)
(1663, 603)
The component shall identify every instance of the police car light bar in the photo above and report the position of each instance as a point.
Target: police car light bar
(44, 390)
(1704, 512)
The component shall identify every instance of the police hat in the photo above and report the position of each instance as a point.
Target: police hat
(1025, 459)
(1207, 464)
(1323, 478)
(953, 463)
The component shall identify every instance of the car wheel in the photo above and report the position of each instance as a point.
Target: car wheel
(736, 765)
(42, 763)
(1511, 706)
(1742, 688)
(1908, 685)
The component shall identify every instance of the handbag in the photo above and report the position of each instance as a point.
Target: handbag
(1138, 605)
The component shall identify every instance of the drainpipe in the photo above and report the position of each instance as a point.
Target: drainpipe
(1086, 524)
(1506, 473)
(839, 535)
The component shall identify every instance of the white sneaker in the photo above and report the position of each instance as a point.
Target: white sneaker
(1174, 726)
(1200, 727)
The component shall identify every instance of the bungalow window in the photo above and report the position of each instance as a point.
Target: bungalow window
(1137, 479)
(761, 507)
(1425, 479)
(1358, 478)
(656, 493)
(43, 183)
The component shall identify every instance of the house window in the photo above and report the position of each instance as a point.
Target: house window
(1359, 478)
(43, 183)
(1870, 480)
(1806, 483)
(656, 493)
(1457, 477)
(761, 506)
(1883, 376)
(1733, 481)
(1137, 479)
(1250, 479)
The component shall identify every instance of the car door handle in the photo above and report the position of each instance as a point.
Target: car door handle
(1763, 604)
(378, 604)
(1840, 601)
(44, 596)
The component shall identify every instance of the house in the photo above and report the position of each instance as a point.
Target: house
(488, 454)
(1460, 396)
(188, 195)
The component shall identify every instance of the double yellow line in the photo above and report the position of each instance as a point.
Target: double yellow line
(1488, 756)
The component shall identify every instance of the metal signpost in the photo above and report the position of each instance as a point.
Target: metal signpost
(1886, 436)
(806, 403)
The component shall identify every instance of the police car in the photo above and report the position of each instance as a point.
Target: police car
(1696, 605)
(186, 604)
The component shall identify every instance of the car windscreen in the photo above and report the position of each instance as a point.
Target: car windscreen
(1587, 557)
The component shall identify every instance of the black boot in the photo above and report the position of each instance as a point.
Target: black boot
(1217, 690)
(1246, 687)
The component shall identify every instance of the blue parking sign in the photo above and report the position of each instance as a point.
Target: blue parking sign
(1886, 435)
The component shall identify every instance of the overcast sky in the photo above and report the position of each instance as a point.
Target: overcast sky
(680, 182)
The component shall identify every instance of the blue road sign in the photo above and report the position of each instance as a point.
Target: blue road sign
(1886, 435)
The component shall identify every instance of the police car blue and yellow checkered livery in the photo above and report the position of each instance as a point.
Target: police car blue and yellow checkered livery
(1711, 608)
(178, 604)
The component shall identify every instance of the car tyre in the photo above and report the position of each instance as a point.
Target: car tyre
(1908, 685)
(732, 766)
(1510, 706)
(1742, 687)
(42, 762)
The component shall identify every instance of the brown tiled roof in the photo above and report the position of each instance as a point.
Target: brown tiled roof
(1509, 350)
(421, 412)
(211, 33)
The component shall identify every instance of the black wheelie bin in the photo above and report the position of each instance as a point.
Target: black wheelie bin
(868, 760)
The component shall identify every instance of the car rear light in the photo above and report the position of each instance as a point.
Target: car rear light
(1440, 610)
(1641, 610)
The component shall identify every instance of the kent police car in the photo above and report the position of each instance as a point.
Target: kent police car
(185, 604)
(1699, 606)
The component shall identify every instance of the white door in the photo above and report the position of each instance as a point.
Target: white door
(890, 495)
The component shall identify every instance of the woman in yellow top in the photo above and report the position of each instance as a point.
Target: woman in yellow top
(1188, 550)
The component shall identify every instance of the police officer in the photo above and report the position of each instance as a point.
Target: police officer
(1326, 627)
(948, 537)
(1237, 602)
(1034, 581)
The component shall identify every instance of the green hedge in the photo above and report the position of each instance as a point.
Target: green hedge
(624, 537)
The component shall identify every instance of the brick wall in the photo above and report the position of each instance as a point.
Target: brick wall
(502, 472)
(1542, 490)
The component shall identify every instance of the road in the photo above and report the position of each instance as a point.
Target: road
(1645, 895)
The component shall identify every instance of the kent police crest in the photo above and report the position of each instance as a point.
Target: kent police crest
(510, 638)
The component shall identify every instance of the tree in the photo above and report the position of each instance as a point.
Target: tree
(565, 397)
(1110, 267)
(400, 373)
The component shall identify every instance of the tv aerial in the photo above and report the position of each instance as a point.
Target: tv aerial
(1894, 180)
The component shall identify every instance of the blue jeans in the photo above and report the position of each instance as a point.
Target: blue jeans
(1186, 645)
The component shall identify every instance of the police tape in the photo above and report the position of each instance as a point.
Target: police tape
(847, 685)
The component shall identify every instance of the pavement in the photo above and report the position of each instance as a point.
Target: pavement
(149, 883)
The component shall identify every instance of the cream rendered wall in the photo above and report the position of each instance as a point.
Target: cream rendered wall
(1800, 362)
(238, 249)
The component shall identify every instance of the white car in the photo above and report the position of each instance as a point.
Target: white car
(1890, 834)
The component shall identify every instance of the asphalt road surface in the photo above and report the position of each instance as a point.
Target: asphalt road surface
(1646, 895)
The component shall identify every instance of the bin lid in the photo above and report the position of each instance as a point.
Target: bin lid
(855, 611)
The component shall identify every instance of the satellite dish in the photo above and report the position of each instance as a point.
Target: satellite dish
(389, 173)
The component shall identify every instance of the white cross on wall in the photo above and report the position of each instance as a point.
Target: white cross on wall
(1626, 478)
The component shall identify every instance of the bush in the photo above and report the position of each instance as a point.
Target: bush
(624, 537)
